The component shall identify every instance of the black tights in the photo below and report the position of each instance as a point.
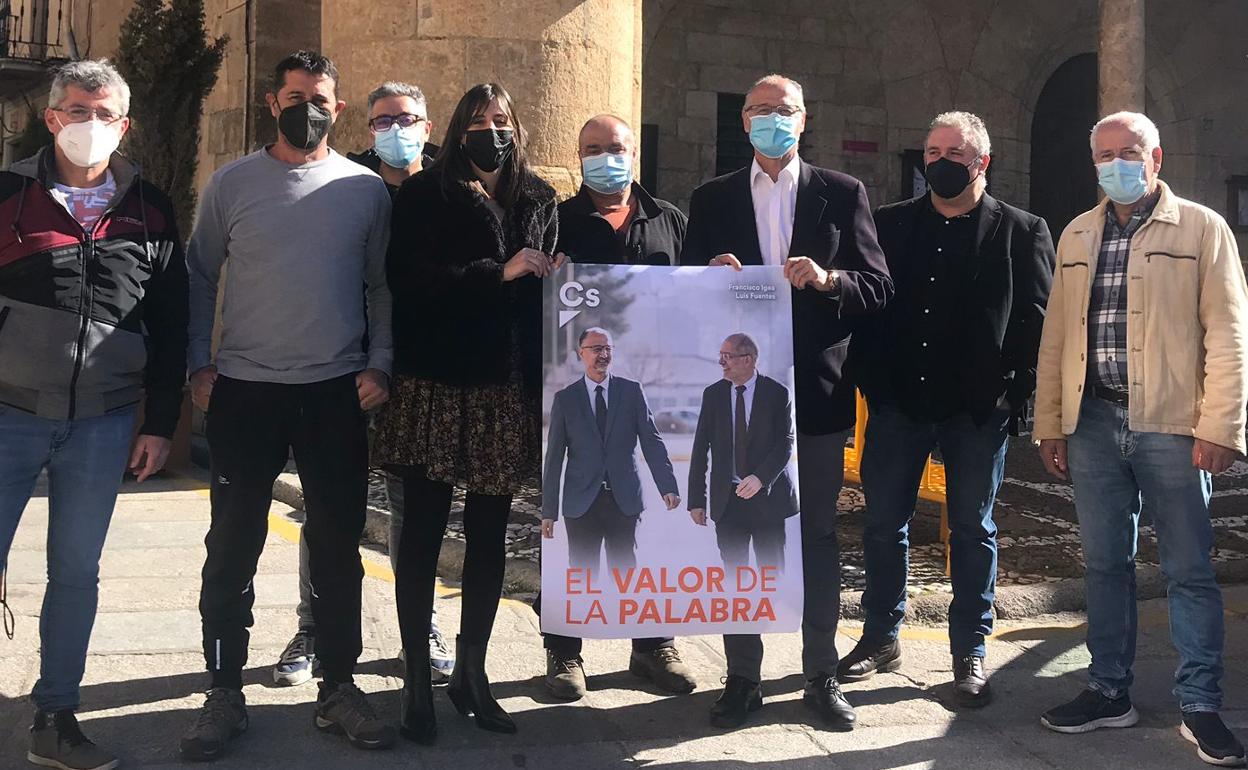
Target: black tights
(426, 507)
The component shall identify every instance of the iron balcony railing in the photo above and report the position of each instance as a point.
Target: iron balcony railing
(32, 30)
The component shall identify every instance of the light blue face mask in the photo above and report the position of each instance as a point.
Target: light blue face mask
(399, 147)
(607, 173)
(773, 135)
(1122, 180)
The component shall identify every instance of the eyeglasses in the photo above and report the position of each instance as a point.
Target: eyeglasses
(783, 110)
(598, 349)
(83, 114)
(383, 123)
(725, 357)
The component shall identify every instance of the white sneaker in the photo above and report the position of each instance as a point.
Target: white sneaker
(299, 657)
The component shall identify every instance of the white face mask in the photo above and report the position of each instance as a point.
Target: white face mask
(88, 144)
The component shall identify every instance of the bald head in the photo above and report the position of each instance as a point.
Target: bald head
(606, 133)
(776, 89)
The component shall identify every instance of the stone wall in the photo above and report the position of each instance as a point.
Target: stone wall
(562, 61)
(876, 71)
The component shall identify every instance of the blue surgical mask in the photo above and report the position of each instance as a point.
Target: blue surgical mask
(607, 173)
(399, 147)
(773, 135)
(1122, 180)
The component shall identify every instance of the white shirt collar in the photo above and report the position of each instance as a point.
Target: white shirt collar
(749, 384)
(793, 170)
(592, 387)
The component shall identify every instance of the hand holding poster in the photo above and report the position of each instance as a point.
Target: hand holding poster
(689, 373)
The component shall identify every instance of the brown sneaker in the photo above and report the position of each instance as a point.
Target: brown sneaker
(221, 719)
(344, 710)
(56, 741)
(663, 667)
(565, 677)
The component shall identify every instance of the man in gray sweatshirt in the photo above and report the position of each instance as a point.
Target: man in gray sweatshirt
(304, 351)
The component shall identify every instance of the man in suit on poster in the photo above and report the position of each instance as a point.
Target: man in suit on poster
(816, 224)
(596, 423)
(746, 424)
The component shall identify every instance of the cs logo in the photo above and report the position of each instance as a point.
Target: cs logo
(573, 294)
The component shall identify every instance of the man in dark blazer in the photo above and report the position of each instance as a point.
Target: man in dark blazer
(596, 423)
(950, 364)
(817, 224)
(746, 424)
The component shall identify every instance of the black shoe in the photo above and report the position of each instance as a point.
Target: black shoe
(970, 682)
(869, 658)
(343, 709)
(417, 721)
(823, 696)
(469, 689)
(740, 697)
(1091, 711)
(221, 719)
(1215, 744)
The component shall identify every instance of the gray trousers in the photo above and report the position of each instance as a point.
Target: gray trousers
(821, 473)
(394, 501)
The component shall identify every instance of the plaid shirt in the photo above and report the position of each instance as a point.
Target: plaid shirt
(1107, 308)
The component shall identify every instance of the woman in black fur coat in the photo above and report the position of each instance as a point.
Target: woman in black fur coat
(469, 248)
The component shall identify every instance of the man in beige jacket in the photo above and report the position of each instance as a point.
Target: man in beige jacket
(1141, 397)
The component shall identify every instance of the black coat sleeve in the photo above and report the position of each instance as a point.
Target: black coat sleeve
(696, 249)
(165, 315)
(863, 282)
(1032, 267)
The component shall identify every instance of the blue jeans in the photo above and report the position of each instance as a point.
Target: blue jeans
(85, 460)
(895, 453)
(1116, 472)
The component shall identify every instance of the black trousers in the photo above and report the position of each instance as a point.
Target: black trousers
(746, 522)
(426, 508)
(251, 429)
(602, 525)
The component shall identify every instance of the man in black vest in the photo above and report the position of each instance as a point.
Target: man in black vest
(612, 220)
(949, 364)
(817, 224)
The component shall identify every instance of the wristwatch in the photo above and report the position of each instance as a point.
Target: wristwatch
(833, 282)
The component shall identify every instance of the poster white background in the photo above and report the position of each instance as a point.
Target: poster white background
(668, 324)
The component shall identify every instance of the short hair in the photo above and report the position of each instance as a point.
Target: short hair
(309, 61)
(783, 81)
(593, 330)
(972, 127)
(90, 75)
(396, 88)
(602, 116)
(743, 343)
(1136, 122)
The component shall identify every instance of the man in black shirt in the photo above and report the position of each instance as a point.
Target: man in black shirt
(950, 363)
(612, 220)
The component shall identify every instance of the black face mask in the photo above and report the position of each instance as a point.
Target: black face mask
(489, 148)
(304, 125)
(947, 178)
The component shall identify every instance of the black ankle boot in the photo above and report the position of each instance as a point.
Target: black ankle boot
(417, 722)
(469, 689)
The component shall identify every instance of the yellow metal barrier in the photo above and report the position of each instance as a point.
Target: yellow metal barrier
(932, 486)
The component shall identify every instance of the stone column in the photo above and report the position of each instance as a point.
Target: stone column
(1120, 56)
(562, 60)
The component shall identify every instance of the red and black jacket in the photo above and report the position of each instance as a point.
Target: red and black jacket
(90, 321)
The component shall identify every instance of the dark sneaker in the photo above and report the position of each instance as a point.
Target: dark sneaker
(663, 667)
(56, 741)
(869, 658)
(740, 697)
(1091, 711)
(441, 661)
(1215, 744)
(222, 718)
(823, 696)
(970, 682)
(295, 665)
(343, 710)
(565, 677)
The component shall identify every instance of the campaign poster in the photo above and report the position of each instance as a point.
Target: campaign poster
(669, 482)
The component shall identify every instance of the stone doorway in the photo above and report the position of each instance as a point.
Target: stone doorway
(1063, 183)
